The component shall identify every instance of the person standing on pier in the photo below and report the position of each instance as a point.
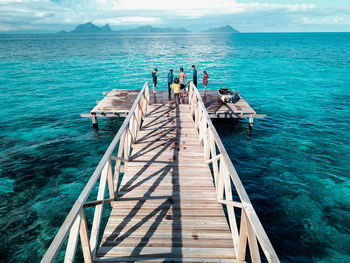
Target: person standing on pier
(170, 81)
(182, 77)
(194, 75)
(176, 88)
(154, 76)
(205, 80)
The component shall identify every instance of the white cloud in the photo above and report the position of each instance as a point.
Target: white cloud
(326, 20)
(4, 27)
(290, 7)
(171, 5)
(58, 14)
(180, 7)
(127, 20)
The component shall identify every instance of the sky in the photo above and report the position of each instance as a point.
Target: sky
(194, 15)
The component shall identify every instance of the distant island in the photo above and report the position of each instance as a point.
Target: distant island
(90, 28)
(223, 29)
(150, 29)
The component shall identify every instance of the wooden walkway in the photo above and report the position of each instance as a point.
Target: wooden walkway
(179, 198)
(166, 207)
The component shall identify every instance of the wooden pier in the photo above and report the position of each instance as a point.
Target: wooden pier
(118, 102)
(178, 200)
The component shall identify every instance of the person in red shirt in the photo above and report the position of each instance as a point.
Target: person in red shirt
(205, 80)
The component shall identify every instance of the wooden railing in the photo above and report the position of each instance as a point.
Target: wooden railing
(225, 176)
(75, 225)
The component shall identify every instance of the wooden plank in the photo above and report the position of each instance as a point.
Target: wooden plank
(174, 205)
(184, 196)
(163, 259)
(217, 212)
(174, 252)
(107, 115)
(159, 227)
(184, 163)
(172, 189)
(169, 242)
(199, 224)
(184, 220)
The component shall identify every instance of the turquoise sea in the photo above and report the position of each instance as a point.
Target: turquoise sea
(295, 164)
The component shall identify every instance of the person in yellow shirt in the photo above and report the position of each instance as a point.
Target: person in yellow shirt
(176, 88)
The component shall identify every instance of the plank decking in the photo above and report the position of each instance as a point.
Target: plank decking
(169, 205)
(118, 102)
(166, 207)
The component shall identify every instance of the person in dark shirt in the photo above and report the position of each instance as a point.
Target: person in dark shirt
(170, 80)
(154, 76)
(194, 75)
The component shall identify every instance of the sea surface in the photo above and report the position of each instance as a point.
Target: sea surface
(295, 164)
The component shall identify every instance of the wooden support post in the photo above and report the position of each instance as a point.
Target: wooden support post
(147, 93)
(207, 143)
(72, 241)
(118, 162)
(251, 120)
(127, 143)
(213, 155)
(95, 229)
(231, 211)
(243, 236)
(253, 244)
(84, 238)
(94, 121)
(111, 188)
(220, 181)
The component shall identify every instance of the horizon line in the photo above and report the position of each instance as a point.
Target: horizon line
(41, 32)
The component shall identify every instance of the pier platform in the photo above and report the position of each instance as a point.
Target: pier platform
(118, 102)
(173, 192)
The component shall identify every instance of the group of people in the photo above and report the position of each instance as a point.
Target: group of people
(178, 84)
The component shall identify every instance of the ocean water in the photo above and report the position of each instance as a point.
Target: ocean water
(295, 164)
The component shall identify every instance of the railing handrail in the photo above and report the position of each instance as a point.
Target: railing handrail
(62, 233)
(246, 203)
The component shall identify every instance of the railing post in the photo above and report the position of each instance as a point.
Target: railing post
(253, 244)
(230, 210)
(147, 93)
(128, 143)
(84, 238)
(213, 155)
(118, 162)
(220, 181)
(95, 229)
(111, 188)
(73, 240)
(243, 236)
(206, 142)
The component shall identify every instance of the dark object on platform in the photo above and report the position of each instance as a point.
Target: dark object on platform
(227, 96)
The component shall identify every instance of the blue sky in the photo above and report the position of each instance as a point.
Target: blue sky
(195, 15)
